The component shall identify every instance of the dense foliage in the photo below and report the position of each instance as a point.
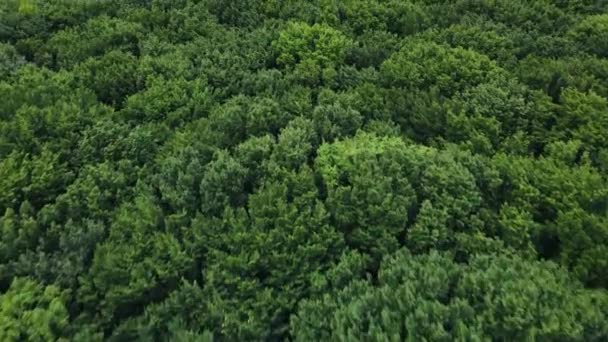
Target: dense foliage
(304, 170)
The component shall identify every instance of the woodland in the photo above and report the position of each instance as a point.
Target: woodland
(289, 170)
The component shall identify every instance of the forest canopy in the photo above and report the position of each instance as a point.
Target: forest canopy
(381, 170)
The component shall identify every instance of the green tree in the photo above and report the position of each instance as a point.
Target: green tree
(369, 195)
(312, 52)
(261, 261)
(222, 185)
(112, 77)
(31, 311)
(172, 101)
(559, 198)
(137, 264)
(256, 169)
(423, 65)
(97, 36)
(10, 60)
(431, 297)
(591, 34)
